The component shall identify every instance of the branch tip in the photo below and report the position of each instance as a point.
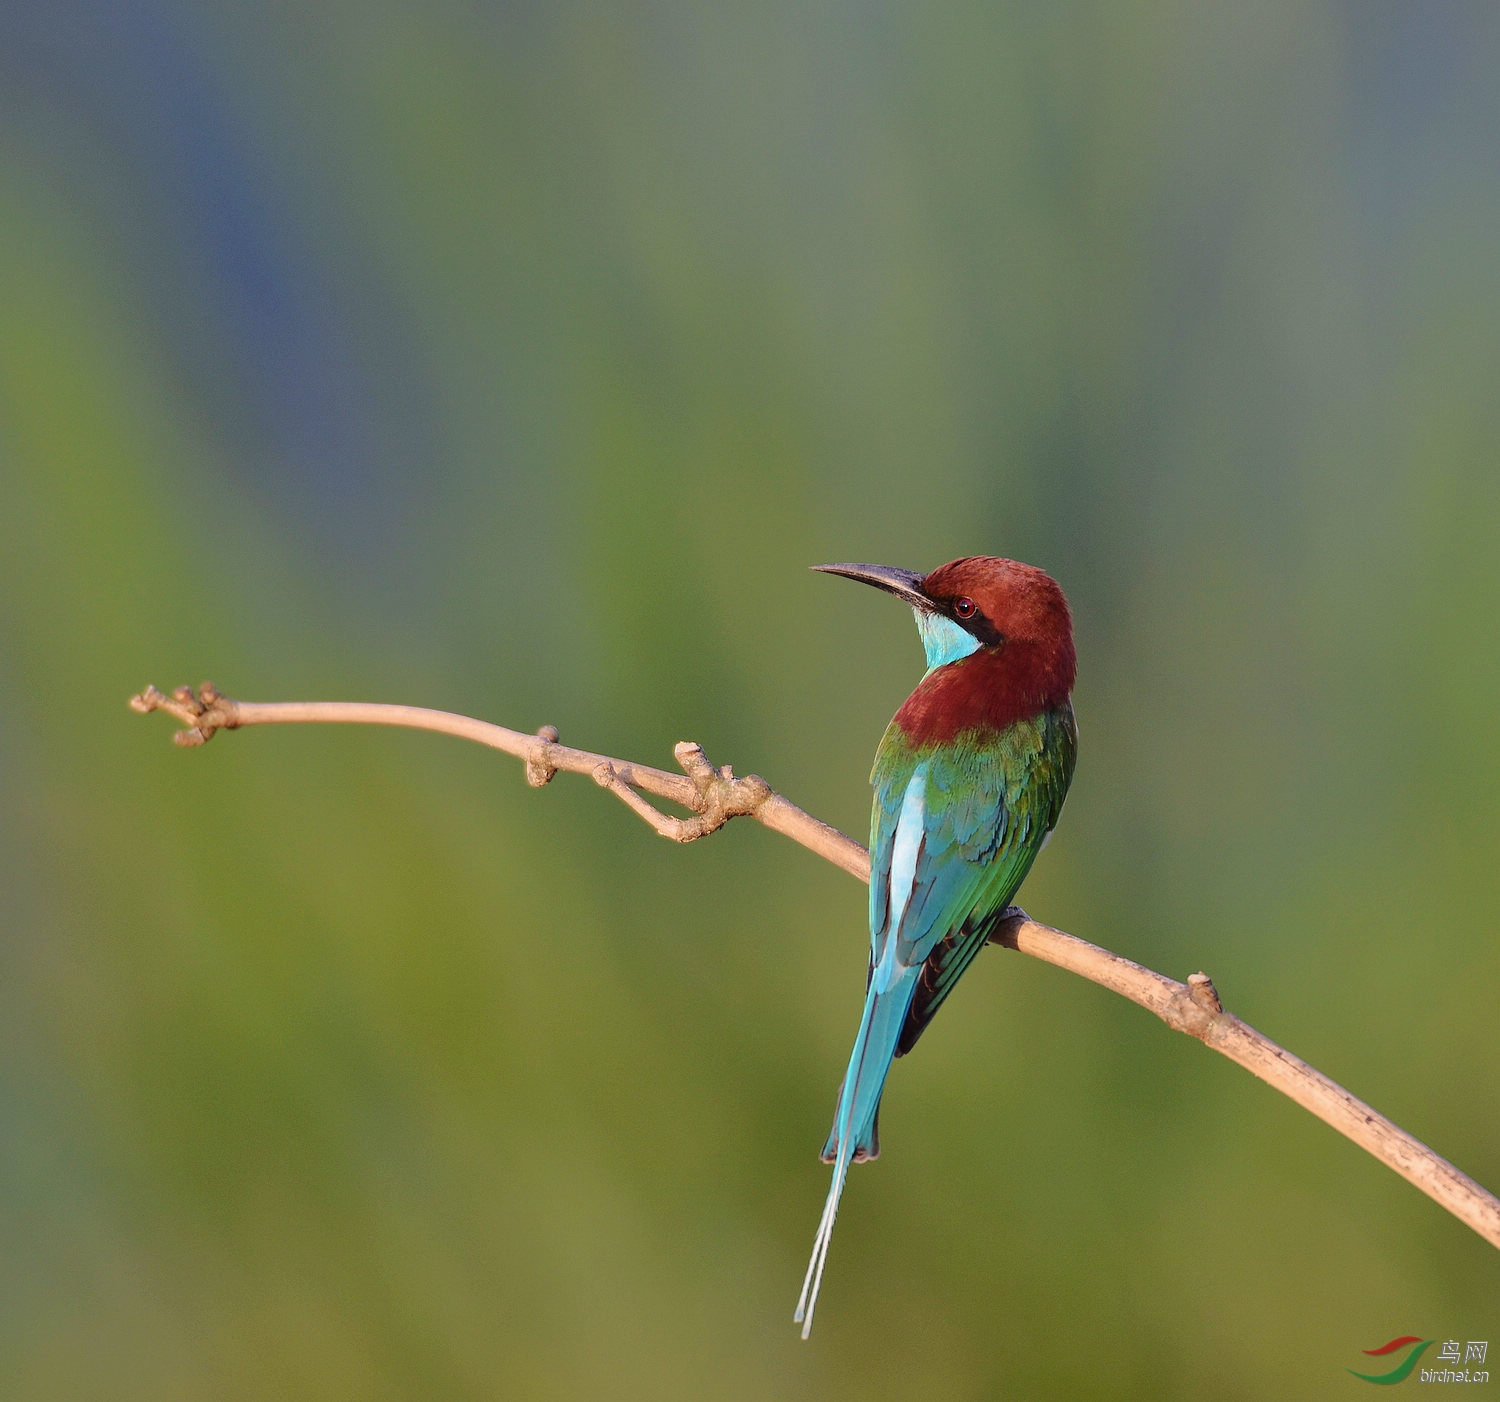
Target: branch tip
(201, 714)
(693, 762)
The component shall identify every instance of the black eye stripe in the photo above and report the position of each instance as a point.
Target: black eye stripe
(966, 613)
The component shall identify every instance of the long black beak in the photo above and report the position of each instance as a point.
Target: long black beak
(904, 584)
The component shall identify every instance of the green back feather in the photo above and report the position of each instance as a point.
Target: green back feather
(990, 801)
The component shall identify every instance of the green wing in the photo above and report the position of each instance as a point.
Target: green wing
(991, 801)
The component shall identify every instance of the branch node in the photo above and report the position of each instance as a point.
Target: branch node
(538, 771)
(718, 796)
(1202, 991)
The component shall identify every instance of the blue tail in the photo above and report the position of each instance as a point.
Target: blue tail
(855, 1135)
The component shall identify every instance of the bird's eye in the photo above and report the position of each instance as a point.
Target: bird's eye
(964, 608)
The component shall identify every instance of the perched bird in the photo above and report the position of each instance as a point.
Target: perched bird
(969, 781)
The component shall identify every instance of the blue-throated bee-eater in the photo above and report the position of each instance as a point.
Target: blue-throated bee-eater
(969, 781)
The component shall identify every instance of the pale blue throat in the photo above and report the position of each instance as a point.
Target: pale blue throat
(943, 640)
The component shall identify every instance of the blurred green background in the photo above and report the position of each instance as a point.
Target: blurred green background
(518, 360)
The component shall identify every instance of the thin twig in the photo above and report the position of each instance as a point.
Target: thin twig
(714, 796)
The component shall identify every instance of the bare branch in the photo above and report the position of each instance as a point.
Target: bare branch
(714, 796)
(1193, 1007)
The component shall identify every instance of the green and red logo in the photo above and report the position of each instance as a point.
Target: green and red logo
(1403, 1369)
(1451, 1361)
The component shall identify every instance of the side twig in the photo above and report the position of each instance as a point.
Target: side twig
(714, 796)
